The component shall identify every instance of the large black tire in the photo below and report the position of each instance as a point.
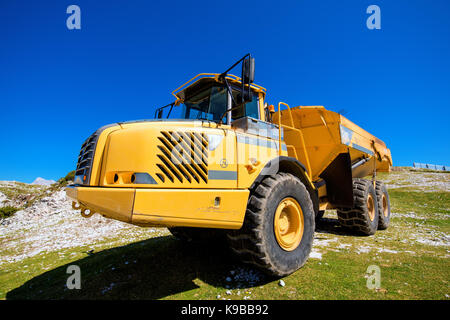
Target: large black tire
(363, 217)
(384, 206)
(256, 242)
(197, 234)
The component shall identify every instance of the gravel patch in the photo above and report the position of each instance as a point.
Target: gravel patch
(50, 224)
(421, 181)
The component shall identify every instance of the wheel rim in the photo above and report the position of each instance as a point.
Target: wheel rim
(385, 206)
(371, 207)
(289, 224)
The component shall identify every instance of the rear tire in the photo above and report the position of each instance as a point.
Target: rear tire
(384, 206)
(278, 230)
(363, 217)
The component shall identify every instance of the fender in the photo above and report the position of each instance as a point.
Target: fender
(293, 166)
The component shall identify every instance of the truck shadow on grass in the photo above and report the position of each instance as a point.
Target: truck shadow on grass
(150, 269)
(332, 226)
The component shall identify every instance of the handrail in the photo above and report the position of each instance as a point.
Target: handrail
(308, 165)
(216, 75)
(200, 74)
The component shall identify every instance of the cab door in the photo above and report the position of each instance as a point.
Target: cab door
(222, 158)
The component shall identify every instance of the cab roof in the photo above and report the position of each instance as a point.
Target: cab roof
(203, 79)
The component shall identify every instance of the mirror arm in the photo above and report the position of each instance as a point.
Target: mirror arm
(170, 110)
(232, 98)
(157, 111)
(223, 74)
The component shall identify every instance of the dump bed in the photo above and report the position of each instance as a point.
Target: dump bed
(327, 135)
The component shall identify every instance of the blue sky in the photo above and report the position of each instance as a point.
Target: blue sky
(57, 86)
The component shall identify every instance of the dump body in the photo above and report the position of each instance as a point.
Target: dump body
(328, 134)
(333, 149)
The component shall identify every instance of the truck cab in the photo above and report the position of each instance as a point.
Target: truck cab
(207, 158)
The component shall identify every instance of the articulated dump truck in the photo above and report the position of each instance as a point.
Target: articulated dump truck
(232, 165)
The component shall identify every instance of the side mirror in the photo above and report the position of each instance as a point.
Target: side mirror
(160, 113)
(248, 70)
(248, 96)
(248, 76)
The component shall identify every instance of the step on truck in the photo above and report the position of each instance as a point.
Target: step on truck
(229, 163)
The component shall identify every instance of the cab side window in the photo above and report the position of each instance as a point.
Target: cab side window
(251, 108)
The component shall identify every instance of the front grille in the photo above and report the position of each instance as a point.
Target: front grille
(183, 157)
(84, 164)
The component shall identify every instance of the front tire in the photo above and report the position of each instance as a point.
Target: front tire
(278, 230)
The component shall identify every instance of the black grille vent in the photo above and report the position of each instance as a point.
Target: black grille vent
(184, 157)
(84, 164)
(83, 171)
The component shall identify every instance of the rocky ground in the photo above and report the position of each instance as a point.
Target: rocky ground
(426, 181)
(50, 224)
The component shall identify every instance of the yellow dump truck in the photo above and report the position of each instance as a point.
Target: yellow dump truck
(233, 164)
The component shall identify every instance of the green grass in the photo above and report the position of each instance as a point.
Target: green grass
(165, 268)
(8, 211)
(406, 200)
(67, 179)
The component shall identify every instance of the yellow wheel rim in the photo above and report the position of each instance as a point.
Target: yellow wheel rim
(371, 207)
(289, 224)
(385, 206)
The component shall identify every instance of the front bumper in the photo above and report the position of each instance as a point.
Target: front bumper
(210, 208)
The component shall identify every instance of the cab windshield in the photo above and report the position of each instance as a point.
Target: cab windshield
(211, 104)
